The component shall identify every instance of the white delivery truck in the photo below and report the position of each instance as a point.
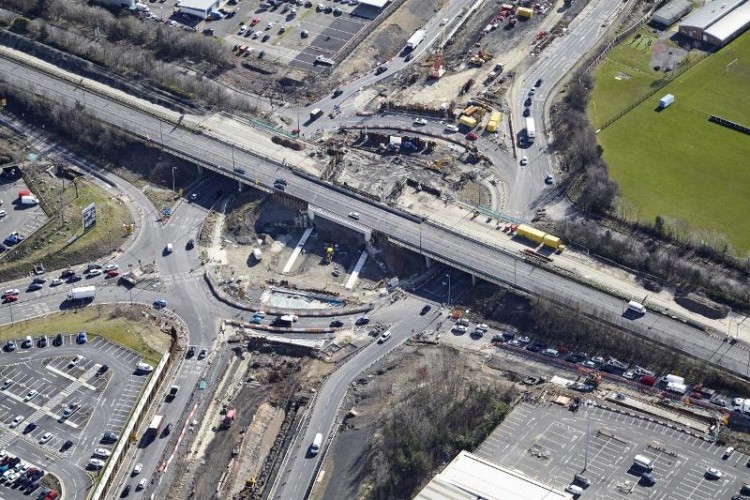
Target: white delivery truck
(530, 130)
(636, 307)
(415, 39)
(82, 293)
(316, 444)
(677, 388)
(29, 200)
(672, 379)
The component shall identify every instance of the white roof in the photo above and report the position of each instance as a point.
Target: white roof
(727, 26)
(198, 4)
(469, 477)
(374, 3)
(710, 13)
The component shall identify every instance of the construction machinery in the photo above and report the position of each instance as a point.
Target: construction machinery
(438, 70)
(481, 58)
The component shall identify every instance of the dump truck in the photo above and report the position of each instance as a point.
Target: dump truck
(494, 121)
(415, 39)
(82, 293)
(467, 121)
(537, 236)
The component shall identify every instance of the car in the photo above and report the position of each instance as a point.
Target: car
(270, 25)
(208, 31)
(10, 346)
(538, 83)
(113, 273)
(328, 9)
(75, 278)
(39, 279)
(102, 370)
(648, 479)
(363, 320)
(256, 34)
(527, 102)
(75, 361)
(3, 213)
(12, 291)
(712, 473)
(282, 29)
(581, 480)
(10, 298)
(459, 329)
(524, 161)
(125, 491)
(29, 427)
(94, 272)
(265, 38)
(728, 453)
(81, 338)
(420, 121)
(58, 340)
(242, 30)
(111, 267)
(202, 354)
(16, 421)
(6, 384)
(354, 215)
(56, 282)
(142, 484)
(381, 70)
(137, 469)
(160, 303)
(144, 368)
(450, 129)
(337, 11)
(190, 244)
(526, 112)
(109, 437)
(575, 490)
(336, 323)
(254, 21)
(472, 136)
(409, 57)
(102, 452)
(549, 179)
(386, 335)
(281, 181)
(532, 91)
(31, 395)
(425, 309)
(45, 438)
(239, 170)
(280, 187)
(67, 273)
(190, 352)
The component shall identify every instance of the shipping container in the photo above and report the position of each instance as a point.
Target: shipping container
(525, 12)
(467, 121)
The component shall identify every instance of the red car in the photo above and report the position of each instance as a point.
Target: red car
(9, 298)
(254, 21)
(471, 136)
(112, 273)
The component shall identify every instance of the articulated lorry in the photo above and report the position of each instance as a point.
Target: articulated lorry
(537, 236)
(530, 130)
(415, 39)
(82, 293)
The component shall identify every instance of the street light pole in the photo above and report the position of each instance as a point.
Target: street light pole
(588, 430)
(173, 183)
(449, 288)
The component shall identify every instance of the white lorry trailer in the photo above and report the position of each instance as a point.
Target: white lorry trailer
(82, 293)
(530, 130)
(415, 39)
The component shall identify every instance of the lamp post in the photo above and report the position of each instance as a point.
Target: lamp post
(588, 430)
(173, 183)
(449, 288)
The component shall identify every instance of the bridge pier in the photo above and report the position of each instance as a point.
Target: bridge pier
(200, 170)
(427, 261)
(240, 186)
(474, 280)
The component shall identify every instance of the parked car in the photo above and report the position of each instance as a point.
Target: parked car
(66, 445)
(102, 452)
(16, 421)
(45, 438)
(81, 338)
(58, 340)
(75, 361)
(202, 354)
(31, 395)
(363, 320)
(10, 346)
(336, 323)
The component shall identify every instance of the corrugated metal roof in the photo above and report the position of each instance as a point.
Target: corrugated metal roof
(710, 13)
(672, 9)
(469, 477)
(375, 3)
(199, 4)
(726, 27)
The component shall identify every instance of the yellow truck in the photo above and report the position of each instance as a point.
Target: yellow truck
(537, 236)
(467, 121)
(525, 12)
(494, 121)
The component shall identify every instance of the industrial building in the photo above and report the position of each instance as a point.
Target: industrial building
(199, 8)
(672, 12)
(469, 477)
(699, 21)
(128, 4)
(729, 27)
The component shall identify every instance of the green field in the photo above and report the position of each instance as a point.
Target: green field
(675, 163)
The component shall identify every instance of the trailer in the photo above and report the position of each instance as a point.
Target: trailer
(155, 425)
(494, 121)
(530, 130)
(415, 39)
(467, 121)
(82, 293)
(537, 236)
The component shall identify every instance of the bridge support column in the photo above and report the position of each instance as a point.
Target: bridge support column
(240, 186)
(200, 170)
(427, 261)
(474, 280)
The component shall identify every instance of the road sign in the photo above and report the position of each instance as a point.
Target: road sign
(88, 217)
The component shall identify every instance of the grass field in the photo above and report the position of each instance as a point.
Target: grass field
(124, 325)
(675, 163)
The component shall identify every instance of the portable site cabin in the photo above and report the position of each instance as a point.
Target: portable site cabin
(666, 101)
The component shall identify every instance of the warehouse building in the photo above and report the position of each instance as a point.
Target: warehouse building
(696, 23)
(729, 27)
(469, 477)
(199, 8)
(128, 4)
(370, 9)
(672, 12)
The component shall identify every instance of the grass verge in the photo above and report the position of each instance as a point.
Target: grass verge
(128, 326)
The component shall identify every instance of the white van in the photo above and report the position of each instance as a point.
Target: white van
(316, 444)
(169, 248)
(451, 128)
(574, 489)
(643, 462)
(636, 307)
(672, 379)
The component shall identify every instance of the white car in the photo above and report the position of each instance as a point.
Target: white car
(144, 368)
(451, 128)
(56, 282)
(386, 335)
(256, 34)
(524, 160)
(137, 469)
(142, 484)
(728, 452)
(270, 25)
(102, 452)
(242, 30)
(31, 395)
(354, 215)
(45, 438)
(94, 272)
(12, 291)
(420, 121)
(3, 213)
(459, 329)
(17, 421)
(76, 360)
(712, 473)
(112, 267)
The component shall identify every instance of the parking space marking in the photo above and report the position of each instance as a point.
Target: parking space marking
(70, 377)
